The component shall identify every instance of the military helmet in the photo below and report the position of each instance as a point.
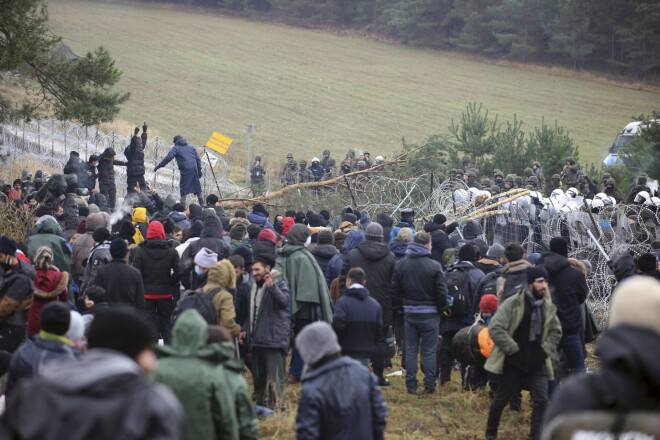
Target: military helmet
(570, 160)
(258, 158)
(580, 173)
(530, 187)
(509, 178)
(301, 162)
(606, 176)
(361, 163)
(610, 181)
(487, 183)
(289, 156)
(534, 180)
(518, 180)
(498, 173)
(495, 189)
(646, 214)
(528, 172)
(366, 153)
(537, 163)
(472, 173)
(326, 152)
(556, 176)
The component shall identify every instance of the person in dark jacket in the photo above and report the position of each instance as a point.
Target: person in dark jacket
(122, 283)
(178, 216)
(158, 263)
(375, 258)
(340, 399)
(266, 243)
(450, 325)
(104, 395)
(325, 249)
(336, 263)
(629, 377)
(419, 290)
(400, 244)
(268, 331)
(16, 296)
(135, 159)
(190, 168)
(407, 221)
(493, 259)
(623, 267)
(211, 238)
(358, 319)
(439, 236)
(513, 276)
(49, 345)
(241, 293)
(568, 289)
(106, 173)
(386, 222)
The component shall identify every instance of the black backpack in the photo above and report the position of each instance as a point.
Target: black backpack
(198, 300)
(489, 284)
(458, 286)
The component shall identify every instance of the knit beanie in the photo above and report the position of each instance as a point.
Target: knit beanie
(155, 230)
(325, 237)
(467, 253)
(100, 235)
(495, 251)
(636, 302)
(118, 248)
(315, 342)
(536, 273)
(120, 329)
(488, 304)
(55, 318)
(43, 258)
(267, 235)
(237, 232)
(7, 246)
(439, 219)
(205, 257)
(298, 234)
(261, 209)
(300, 217)
(93, 208)
(246, 253)
(559, 245)
(373, 232)
(195, 210)
(82, 226)
(348, 217)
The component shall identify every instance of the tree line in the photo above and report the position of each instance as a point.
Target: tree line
(612, 36)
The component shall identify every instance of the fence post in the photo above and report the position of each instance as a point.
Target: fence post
(86, 141)
(39, 134)
(270, 171)
(65, 143)
(52, 137)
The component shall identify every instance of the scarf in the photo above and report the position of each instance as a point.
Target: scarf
(536, 325)
(45, 336)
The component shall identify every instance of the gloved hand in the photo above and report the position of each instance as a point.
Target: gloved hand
(453, 225)
(144, 127)
(157, 168)
(137, 130)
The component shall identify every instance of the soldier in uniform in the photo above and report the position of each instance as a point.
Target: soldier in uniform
(290, 174)
(528, 173)
(499, 178)
(486, 184)
(495, 190)
(472, 179)
(519, 181)
(304, 175)
(317, 170)
(638, 187)
(465, 163)
(366, 157)
(509, 182)
(570, 172)
(612, 191)
(553, 185)
(533, 181)
(257, 173)
(606, 176)
(327, 162)
(289, 162)
(459, 175)
(585, 186)
(347, 165)
(538, 172)
(361, 165)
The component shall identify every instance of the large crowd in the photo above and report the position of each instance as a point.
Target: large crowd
(94, 300)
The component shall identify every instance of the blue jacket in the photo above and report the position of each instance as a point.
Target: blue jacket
(439, 240)
(395, 230)
(399, 249)
(341, 400)
(358, 322)
(190, 166)
(353, 239)
(179, 219)
(32, 356)
(260, 219)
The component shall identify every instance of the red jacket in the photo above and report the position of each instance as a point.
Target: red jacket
(48, 286)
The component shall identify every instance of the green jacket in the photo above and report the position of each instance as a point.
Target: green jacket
(306, 281)
(504, 324)
(47, 236)
(207, 381)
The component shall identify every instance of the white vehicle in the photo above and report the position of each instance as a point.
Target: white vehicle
(624, 138)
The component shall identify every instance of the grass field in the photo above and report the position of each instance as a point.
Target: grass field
(193, 73)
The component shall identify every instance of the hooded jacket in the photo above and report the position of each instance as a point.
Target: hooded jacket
(336, 221)
(99, 255)
(399, 249)
(135, 156)
(340, 400)
(104, 395)
(211, 238)
(83, 244)
(179, 219)
(323, 253)
(48, 286)
(512, 279)
(386, 222)
(629, 379)
(122, 283)
(358, 322)
(221, 276)
(158, 263)
(207, 380)
(47, 236)
(377, 262)
(418, 280)
(269, 322)
(106, 168)
(190, 166)
(439, 240)
(16, 295)
(623, 267)
(568, 289)
(141, 224)
(336, 263)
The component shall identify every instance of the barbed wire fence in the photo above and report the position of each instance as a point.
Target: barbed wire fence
(49, 141)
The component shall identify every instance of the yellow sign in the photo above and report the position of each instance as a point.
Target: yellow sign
(218, 142)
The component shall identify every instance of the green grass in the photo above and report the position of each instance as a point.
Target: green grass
(193, 73)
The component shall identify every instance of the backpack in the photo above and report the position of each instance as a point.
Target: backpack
(458, 287)
(489, 284)
(198, 300)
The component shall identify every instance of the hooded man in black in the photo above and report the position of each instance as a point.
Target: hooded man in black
(106, 173)
(135, 159)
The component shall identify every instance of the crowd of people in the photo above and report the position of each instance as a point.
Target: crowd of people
(95, 299)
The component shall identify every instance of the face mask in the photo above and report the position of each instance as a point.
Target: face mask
(96, 164)
(198, 271)
(308, 241)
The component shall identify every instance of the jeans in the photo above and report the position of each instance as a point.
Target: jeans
(422, 327)
(510, 383)
(296, 366)
(159, 312)
(572, 346)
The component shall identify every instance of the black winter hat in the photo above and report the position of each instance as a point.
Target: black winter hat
(7, 246)
(100, 235)
(55, 318)
(559, 245)
(535, 273)
(178, 207)
(439, 219)
(195, 210)
(126, 230)
(246, 253)
(118, 248)
(260, 208)
(350, 218)
(298, 234)
(83, 211)
(314, 220)
(325, 214)
(300, 217)
(120, 329)
(467, 253)
(211, 199)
